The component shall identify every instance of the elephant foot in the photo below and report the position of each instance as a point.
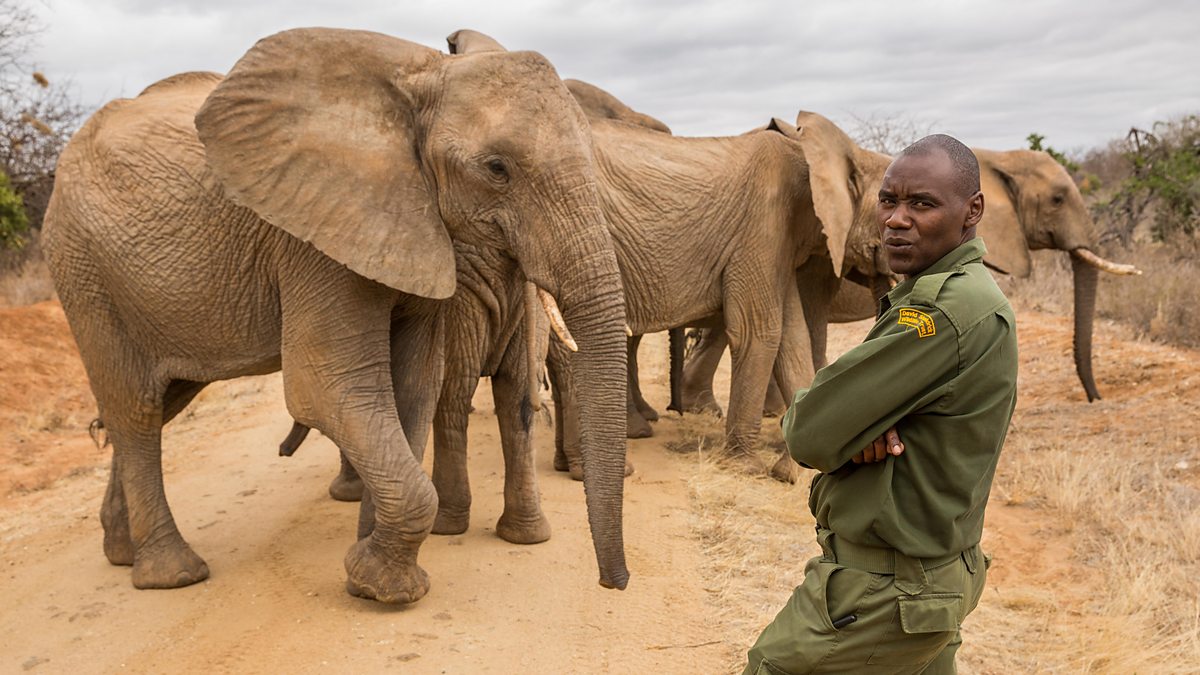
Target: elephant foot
(702, 402)
(375, 576)
(636, 426)
(523, 529)
(785, 470)
(346, 489)
(576, 470)
(561, 463)
(744, 461)
(171, 566)
(451, 521)
(118, 546)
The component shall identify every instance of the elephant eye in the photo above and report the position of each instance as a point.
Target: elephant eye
(497, 168)
(1058, 200)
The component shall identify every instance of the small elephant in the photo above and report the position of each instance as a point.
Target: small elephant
(298, 215)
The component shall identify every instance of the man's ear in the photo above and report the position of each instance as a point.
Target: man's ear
(975, 210)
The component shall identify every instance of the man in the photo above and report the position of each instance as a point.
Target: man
(899, 522)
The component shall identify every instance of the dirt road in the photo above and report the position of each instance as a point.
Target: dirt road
(275, 541)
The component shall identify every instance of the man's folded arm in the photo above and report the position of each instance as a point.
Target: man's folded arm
(867, 390)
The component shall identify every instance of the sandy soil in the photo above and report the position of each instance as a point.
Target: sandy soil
(275, 541)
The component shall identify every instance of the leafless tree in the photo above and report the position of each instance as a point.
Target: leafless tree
(888, 133)
(36, 116)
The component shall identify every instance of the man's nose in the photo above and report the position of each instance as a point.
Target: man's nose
(898, 219)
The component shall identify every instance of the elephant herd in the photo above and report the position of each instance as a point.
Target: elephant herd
(385, 223)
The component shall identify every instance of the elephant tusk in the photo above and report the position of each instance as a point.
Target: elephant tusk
(628, 331)
(556, 319)
(1102, 264)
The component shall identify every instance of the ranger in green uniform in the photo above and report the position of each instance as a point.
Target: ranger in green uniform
(899, 521)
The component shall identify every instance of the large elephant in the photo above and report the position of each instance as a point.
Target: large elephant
(1032, 203)
(304, 222)
(597, 104)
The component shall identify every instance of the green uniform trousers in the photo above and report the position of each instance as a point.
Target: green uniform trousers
(906, 613)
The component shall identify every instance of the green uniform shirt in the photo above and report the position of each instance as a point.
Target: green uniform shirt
(941, 365)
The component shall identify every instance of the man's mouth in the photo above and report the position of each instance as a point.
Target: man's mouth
(897, 243)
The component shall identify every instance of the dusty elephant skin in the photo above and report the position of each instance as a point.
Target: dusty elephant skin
(304, 223)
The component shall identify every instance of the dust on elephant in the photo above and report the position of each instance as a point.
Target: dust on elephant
(1032, 203)
(297, 215)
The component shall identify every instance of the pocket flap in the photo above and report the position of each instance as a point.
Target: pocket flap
(934, 613)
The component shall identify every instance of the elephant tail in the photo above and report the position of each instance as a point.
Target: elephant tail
(677, 342)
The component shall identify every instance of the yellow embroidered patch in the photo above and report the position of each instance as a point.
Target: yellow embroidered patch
(919, 320)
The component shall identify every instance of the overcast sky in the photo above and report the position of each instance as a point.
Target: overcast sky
(1079, 73)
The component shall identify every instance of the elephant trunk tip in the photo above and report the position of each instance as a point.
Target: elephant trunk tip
(617, 581)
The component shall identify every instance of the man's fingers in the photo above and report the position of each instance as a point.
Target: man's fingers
(894, 445)
(879, 448)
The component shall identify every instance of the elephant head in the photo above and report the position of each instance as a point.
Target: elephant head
(379, 152)
(1032, 203)
(596, 103)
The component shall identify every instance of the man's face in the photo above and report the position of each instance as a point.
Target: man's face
(922, 211)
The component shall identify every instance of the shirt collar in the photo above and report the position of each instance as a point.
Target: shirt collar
(967, 252)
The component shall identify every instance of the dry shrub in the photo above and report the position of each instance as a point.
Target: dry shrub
(1160, 304)
(24, 277)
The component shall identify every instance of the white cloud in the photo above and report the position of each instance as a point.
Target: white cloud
(990, 72)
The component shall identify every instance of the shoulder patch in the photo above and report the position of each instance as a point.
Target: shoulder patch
(919, 320)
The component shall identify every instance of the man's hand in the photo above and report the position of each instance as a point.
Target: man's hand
(887, 444)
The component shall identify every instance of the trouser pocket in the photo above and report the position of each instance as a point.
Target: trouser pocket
(922, 625)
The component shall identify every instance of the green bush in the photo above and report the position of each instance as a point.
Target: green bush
(13, 222)
(1166, 171)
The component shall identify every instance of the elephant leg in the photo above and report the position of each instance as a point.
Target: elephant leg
(522, 521)
(775, 404)
(556, 371)
(699, 369)
(637, 424)
(450, 475)
(754, 336)
(338, 378)
(138, 526)
(347, 486)
(635, 386)
(793, 370)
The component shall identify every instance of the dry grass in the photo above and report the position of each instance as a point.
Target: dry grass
(1094, 519)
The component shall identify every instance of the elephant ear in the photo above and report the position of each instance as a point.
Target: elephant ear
(314, 129)
(467, 41)
(831, 179)
(1000, 227)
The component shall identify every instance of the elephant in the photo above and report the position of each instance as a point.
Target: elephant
(717, 230)
(598, 104)
(1031, 203)
(298, 215)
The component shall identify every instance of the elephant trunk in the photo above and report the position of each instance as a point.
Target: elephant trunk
(1085, 278)
(593, 307)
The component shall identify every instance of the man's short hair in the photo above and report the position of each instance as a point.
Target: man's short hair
(966, 166)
